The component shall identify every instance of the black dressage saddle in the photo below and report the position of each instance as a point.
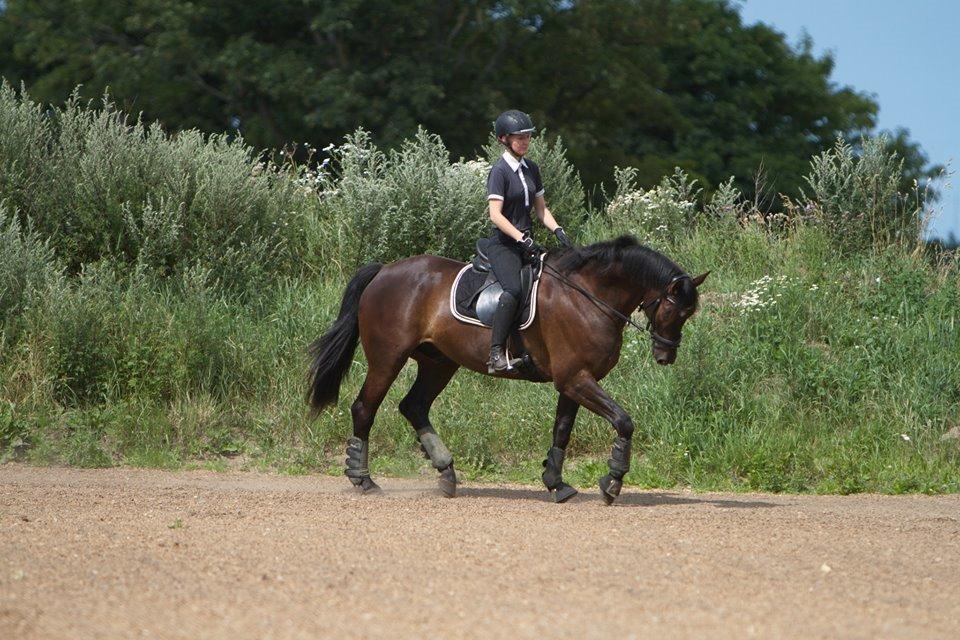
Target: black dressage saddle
(476, 291)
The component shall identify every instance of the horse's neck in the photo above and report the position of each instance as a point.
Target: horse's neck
(618, 289)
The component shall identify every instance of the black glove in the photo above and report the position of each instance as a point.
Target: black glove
(530, 247)
(562, 237)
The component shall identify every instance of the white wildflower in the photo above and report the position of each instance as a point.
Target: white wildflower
(760, 295)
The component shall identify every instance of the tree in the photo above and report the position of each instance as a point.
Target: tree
(645, 83)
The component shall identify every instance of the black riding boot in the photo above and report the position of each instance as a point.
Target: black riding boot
(502, 321)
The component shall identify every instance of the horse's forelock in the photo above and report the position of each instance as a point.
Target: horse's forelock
(687, 296)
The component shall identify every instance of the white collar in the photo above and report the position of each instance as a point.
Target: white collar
(513, 162)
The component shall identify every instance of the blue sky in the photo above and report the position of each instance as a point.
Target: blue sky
(904, 52)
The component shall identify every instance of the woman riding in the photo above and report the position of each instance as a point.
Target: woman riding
(514, 186)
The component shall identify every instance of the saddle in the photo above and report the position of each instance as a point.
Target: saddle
(476, 291)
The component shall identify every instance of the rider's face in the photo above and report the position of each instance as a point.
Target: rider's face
(518, 143)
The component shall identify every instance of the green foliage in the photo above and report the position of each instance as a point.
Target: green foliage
(655, 216)
(108, 189)
(856, 195)
(385, 206)
(25, 137)
(806, 369)
(27, 268)
(641, 83)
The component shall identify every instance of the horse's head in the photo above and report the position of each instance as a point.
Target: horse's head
(668, 311)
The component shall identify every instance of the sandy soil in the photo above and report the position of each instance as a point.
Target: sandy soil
(123, 553)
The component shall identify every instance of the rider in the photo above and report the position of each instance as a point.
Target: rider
(513, 187)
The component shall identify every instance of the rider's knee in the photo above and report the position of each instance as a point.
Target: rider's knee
(512, 292)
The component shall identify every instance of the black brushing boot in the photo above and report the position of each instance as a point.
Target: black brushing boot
(502, 321)
(612, 483)
(553, 476)
(358, 452)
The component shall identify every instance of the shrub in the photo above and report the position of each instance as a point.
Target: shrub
(390, 205)
(157, 293)
(656, 216)
(100, 187)
(854, 194)
(25, 141)
(387, 206)
(27, 268)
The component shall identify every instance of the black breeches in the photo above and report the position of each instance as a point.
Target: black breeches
(506, 262)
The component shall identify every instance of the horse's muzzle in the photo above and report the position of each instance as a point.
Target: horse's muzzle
(664, 356)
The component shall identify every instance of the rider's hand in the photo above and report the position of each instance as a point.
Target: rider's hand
(530, 247)
(562, 237)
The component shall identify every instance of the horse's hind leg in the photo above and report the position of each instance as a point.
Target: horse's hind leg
(553, 465)
(432, 378)
(380, 375)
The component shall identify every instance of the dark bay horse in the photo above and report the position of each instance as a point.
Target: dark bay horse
(402, 310)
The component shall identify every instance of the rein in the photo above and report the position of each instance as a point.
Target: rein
(650, 328)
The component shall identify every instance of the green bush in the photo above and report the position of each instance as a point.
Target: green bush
(25, 141)
(157, 296)
(27, 269)
(100, 187)
(854, 194)
(385, 206)
(656, 216)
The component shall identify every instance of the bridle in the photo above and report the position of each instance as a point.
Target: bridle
(651, 327)
(652, 306)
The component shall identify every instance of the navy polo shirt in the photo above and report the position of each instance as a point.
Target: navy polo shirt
(517, 183)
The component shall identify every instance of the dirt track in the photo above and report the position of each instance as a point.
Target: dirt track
(123, 553)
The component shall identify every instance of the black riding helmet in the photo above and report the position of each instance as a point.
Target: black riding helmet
(513, 121)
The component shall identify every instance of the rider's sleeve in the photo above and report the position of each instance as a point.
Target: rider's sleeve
(496, 184)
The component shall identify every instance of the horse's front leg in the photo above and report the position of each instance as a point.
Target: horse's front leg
(585, 390)
(553, 465)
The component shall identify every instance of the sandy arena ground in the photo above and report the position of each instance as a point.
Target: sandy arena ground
(129, 553)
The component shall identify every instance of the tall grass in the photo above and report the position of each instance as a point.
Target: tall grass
(157, 293)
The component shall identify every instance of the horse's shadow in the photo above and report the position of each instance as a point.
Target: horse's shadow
(629, 499)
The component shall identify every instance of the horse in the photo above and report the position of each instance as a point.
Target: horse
(401, 311)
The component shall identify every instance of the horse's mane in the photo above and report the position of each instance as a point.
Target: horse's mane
(639, 262)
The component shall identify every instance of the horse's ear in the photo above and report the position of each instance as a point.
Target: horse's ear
(700, 278)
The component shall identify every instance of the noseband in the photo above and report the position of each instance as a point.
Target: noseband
(651, 317)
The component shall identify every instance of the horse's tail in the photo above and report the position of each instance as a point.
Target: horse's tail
(332, 353)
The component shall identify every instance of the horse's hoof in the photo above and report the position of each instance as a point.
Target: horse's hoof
(563, 493)
(610, 488)
(368, 486)
(448, 482)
